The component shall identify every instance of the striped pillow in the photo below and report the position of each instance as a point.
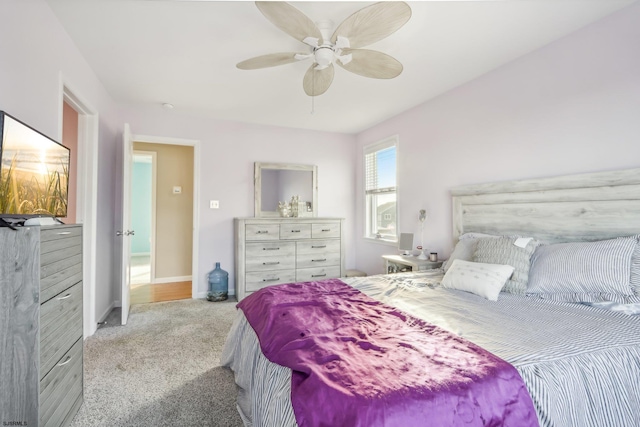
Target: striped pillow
(505, 251)
(634, 279)
(465, 248)
(583, 272)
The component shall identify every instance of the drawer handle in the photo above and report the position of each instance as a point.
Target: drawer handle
(319, 260)
(64, 233)
(295, 231)
(326, 229)
(262, 232)
(318, 247)
(64, 297)
(318, 275)
(271, 280)
(66, 361)
(271, 263)
(270, 249)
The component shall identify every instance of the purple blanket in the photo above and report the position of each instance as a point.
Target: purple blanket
(359, 362)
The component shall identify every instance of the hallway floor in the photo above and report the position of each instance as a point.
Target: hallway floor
(143, 292)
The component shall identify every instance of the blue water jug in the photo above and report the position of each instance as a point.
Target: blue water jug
(218, 284)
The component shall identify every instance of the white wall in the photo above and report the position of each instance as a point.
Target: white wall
(36, 56)
(228, 152)
(571, 107)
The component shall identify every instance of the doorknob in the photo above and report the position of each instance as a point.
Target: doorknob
(119, 233)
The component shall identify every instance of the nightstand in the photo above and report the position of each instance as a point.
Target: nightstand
(401, 263)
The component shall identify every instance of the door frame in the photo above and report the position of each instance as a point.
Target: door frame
(196, 191)
(154, 177)
(86, 197)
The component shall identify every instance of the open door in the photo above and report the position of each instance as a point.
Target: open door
(125, 232)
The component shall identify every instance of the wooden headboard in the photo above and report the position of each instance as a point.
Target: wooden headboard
(572, 208)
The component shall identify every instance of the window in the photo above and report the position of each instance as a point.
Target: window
(380, 164)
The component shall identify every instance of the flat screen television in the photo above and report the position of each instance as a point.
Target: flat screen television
(34, 172)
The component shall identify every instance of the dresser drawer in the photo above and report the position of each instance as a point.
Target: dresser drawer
(59, 270)
(267, 263)
(265, 256)
(262, 232)
(56, 250)
(48, 234)
(318, 260)
(284, 249)
(324, 230)
(255, 281)
(58, 282)
(291, 231)
(61, 388)
(320, 273)
(318, 247)
(60, 326)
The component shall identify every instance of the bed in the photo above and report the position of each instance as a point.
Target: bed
(580, 363)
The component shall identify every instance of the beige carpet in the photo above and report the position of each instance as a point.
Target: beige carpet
(161, 369)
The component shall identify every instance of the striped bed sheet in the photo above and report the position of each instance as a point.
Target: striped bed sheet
(581, 364)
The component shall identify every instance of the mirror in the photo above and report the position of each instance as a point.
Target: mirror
(276, 182)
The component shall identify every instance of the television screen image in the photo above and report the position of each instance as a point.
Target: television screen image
(34, 171)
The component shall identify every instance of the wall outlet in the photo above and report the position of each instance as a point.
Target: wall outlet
(214, 204)
(177, 189)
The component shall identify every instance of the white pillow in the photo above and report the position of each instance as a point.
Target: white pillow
(485, 280)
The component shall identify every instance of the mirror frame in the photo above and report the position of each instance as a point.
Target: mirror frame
(257, 184)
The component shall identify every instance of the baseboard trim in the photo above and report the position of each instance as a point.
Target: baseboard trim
(106, 313)
(157, 281)
(140, 254)
(117, 303)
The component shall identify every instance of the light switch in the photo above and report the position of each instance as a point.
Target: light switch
(177, 189)
(214, 204)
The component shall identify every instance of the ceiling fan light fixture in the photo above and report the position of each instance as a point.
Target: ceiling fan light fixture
(324, 56)
(344, 47)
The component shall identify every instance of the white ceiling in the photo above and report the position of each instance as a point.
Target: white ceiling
(147, 52)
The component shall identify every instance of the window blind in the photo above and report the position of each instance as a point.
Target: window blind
(380, 170)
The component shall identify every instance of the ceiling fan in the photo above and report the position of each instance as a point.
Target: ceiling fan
(364, 27)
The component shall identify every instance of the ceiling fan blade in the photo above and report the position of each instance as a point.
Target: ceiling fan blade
(316, 82)
(270, 60)
(373, 23)
(289, 19)
(371, 63)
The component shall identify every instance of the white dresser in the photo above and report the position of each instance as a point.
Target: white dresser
(270, 251)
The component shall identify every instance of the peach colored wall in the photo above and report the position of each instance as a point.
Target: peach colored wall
(70, 140)
(174, 212)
